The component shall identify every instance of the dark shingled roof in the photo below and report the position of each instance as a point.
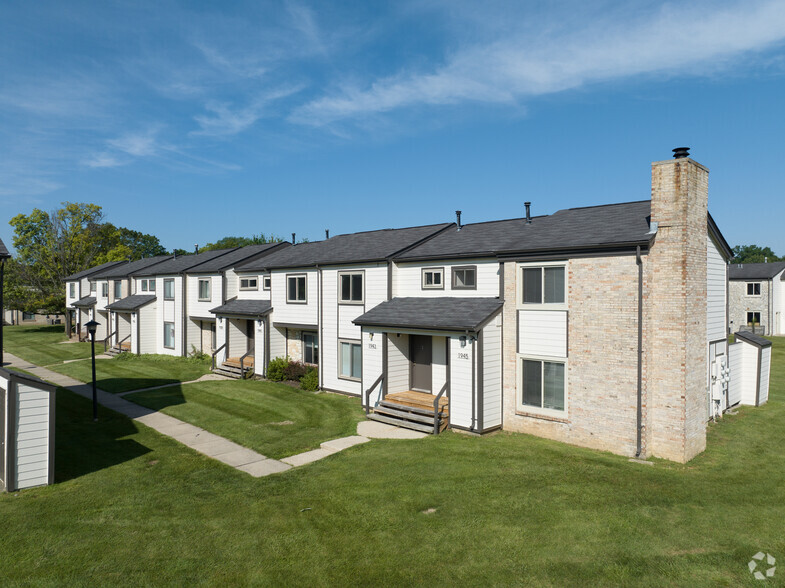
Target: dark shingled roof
(86, 302)
(131, 302)
(244, 308)
(755, 271)
(598, 226)
(753, 338)
(351, 248)
(91, 271)
(444, 313)
(3, 251)
(236, 257)
(129, 268)
(181, 263)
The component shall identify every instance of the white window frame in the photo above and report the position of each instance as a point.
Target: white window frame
(143, 285)
(72, 290)
(173, 335)
(118, 284)
(432, 270)
(753, 313)
(151, 284)
(349, 274)
(350, 342)
(528, 410)
(305, 293)
(314, 346)
(93, 287)
(542, 305)
(209, 283)
(267, 281)
(463, 268)
(168, 281)
(753, 284)
(104, 289)
(248, 280)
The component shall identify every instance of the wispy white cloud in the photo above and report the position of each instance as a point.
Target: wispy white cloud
(225, 119)
(672, 39)
(104, 160)
(139, 144)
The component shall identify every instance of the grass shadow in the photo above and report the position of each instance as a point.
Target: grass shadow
(160, 398)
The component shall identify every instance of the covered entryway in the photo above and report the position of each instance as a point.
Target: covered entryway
(420, 356)
(134, 324)
(242, 338)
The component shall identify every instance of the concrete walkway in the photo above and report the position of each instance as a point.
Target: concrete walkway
(207, 443)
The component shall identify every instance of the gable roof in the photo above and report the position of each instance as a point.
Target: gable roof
(343, 249)
(442, 314)
(127, 268)
(91, 271)
(236, 257)
(755, 271)
(131, 302)
(3, 251)
(181, 263)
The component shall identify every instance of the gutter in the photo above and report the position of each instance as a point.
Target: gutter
(639, 436)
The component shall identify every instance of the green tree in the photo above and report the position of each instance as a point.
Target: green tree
(753, 254)
(230, 242)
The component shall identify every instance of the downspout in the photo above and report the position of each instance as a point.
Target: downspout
(639, 261)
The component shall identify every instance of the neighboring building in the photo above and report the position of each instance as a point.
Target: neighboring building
(20, 317)
(81, 293)
(757, 297)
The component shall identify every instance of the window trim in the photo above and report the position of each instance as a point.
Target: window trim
(357, 342)
(753, 313)
(28, 316)
(315, 336)
(293, 276)
(104, 289)
(143, 285)
(458, 268)
(72, 290)
(249, 278)
(520, 305)
(93, 287)
(151, 284)
(440, 270)
(753, 284)
(173, 335)
(209, 283)
(171, 281)
(360, 273)
(118, 283)
(267, 282)
(535, 411)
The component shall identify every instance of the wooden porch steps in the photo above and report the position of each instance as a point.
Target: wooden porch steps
(412, 410)
(231, 368)
(124, 347)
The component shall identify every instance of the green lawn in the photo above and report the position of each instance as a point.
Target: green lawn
(273, 419)
(134, 372)
(134, 508)
(43, 345)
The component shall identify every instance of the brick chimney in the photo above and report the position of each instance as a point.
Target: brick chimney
(675, 361)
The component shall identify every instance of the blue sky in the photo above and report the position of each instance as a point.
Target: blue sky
(197, 120)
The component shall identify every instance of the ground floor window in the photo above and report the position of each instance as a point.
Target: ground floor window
(310, 348)
(753, 318)
(350, 362)
(169, 335)
(28, 316)
(542, 384)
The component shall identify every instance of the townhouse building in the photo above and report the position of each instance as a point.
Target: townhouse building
(757, 297)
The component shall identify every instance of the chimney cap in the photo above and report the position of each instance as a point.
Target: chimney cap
(681, 152)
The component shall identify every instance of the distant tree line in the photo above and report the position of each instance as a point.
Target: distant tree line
(754, 254)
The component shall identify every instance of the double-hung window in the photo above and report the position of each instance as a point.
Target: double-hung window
(204, 289)
(169, 289)
(543, 285)
(753, 288)
(464, 278)
(310, 348)
(118, 289)
(72, 290)
(543, 384)
(169, 335)
(753, 318)
(295, 289)
(143, 285)
(350, 363)
(266, 282)
(151, 284)
(104, 289)
(249, 283)
(92, 287)
(350, 287)
(433, 278)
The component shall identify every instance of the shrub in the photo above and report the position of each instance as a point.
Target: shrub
(276, 369)
(295, 370)
(197, 356)
(310, 381)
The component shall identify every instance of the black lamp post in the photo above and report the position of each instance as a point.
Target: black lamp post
(91, 327)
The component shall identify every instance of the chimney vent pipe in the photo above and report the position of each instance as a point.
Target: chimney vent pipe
(681, 152)
(294, 242)
(458, 217)
(326, 233)
(528, 212)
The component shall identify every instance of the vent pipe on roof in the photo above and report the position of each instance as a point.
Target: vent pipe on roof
(458, 219)
(528, 212)
(326, 233)
(681, 152)
(293, 240)
(196, 248)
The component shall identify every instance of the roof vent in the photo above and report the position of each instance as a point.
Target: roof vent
(528, 212)
(681, 152)
(326, 233)
(458, 219)
(293, 241)
(196, 248)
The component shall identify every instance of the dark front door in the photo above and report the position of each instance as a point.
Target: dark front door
(420, 355)
(249, 334)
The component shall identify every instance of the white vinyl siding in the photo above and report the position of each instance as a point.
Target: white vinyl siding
(438, 363)
(542, 333)
(148, 329)
(32, 436)
(737, 377)
(201, 308)
(461, 383)
(372, 364)
(298, 313)
(398, 363)
(277, 343)
(492, 374)
(238, 340)
(716, 268)
(232, 285)
(765, 367)
(408, 279)
(170, 311)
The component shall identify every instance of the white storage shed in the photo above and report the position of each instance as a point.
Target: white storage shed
(750, 364)
(27, 431)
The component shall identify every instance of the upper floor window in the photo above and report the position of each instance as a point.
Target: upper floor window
(92, 287)
(104, 289)
(249, 284)
(266, 282)
(72, 290)
(753, 288)
(118, 289)
(543, 284)
(151, 285)
(350, 287)
(204, 289)
(143, 285)
(464, 278)
(295, 289)
(433, 278)
(169, 289)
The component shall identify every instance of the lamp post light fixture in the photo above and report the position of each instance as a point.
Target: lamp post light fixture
(91, 327)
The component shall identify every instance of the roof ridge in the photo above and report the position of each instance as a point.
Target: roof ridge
(603, 205)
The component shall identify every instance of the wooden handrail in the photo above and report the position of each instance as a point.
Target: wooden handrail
(247, 353)
(378, 381)
(436, 411)
(109, 336)
(216, 353)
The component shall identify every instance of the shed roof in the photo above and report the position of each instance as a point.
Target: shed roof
(254, 308)
(130, 303)
(443, 313)
(755, 271)
(85, 302)
(350, 248)
(91, 271)
(753, 338)
(128, 268)
(3, 251)
(182, 263)
(236, 257)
